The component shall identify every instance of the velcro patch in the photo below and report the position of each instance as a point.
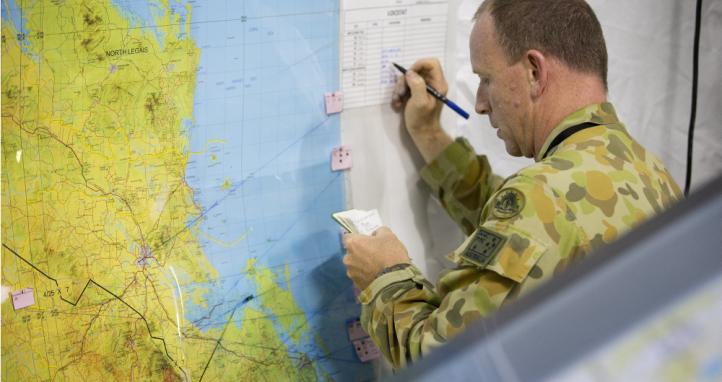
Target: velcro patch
(485, 245)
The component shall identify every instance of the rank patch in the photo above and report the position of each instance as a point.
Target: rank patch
(508, 203)
(485, 245)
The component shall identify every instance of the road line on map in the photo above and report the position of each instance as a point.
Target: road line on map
(218, 341)
(82, 293)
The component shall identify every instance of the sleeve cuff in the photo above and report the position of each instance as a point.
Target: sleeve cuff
(452, 164)
(383, 281)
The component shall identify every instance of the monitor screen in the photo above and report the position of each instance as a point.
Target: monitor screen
(682, 342)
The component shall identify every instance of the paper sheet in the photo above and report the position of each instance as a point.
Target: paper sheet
(23, 298)
(377, 33)
(359, 221)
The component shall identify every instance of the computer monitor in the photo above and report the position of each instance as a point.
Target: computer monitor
(646, 307)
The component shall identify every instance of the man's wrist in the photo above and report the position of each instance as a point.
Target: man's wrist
(383, 281)
(431, 143)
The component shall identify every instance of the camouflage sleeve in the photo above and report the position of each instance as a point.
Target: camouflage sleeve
(512, 249)
(462, 181)
(406, 317)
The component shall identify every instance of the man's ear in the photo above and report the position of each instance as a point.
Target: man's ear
(537, 69)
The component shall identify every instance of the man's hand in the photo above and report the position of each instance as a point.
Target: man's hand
(422, 112)
(368, 255)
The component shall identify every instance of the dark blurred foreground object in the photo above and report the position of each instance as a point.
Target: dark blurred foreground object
(644, 307)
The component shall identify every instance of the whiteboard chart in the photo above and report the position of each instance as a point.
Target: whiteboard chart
(377, 34)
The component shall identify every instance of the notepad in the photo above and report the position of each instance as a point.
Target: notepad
(359, 221)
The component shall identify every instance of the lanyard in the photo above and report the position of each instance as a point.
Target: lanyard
(566, 134)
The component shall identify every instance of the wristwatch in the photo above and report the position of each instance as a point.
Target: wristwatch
(396, 267)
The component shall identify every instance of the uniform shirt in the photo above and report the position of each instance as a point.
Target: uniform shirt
(579, 195)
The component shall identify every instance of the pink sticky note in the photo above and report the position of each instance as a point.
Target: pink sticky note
(23, 298)
(366, 350)
(355, 330)
(341, 158)
(334, 102)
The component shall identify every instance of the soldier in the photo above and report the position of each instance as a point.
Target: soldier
(542, 67)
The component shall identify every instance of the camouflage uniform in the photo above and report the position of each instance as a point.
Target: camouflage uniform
(585, 192)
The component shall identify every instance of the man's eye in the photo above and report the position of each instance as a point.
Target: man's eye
(484, 80)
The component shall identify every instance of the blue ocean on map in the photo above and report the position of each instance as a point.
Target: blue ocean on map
(260, 144)
(259, 147)
(11, 14)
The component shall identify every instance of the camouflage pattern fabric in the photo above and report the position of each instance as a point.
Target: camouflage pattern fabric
(592, 187)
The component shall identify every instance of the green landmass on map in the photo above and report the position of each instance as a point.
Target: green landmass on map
(97, 216)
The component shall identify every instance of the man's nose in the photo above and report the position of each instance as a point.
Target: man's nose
(482, 106)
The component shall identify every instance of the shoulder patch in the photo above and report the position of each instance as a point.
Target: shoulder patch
(483, 247)
(508, 203)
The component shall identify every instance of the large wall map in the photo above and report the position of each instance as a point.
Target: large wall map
(166, 192)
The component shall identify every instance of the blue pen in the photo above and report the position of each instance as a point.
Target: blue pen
(435, 93)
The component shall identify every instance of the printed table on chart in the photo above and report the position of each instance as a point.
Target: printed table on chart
(376, 36)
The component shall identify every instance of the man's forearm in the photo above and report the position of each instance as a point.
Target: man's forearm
(431, 142)
(406, 317)
(462, 181)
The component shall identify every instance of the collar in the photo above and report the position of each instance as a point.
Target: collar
(598, 113)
